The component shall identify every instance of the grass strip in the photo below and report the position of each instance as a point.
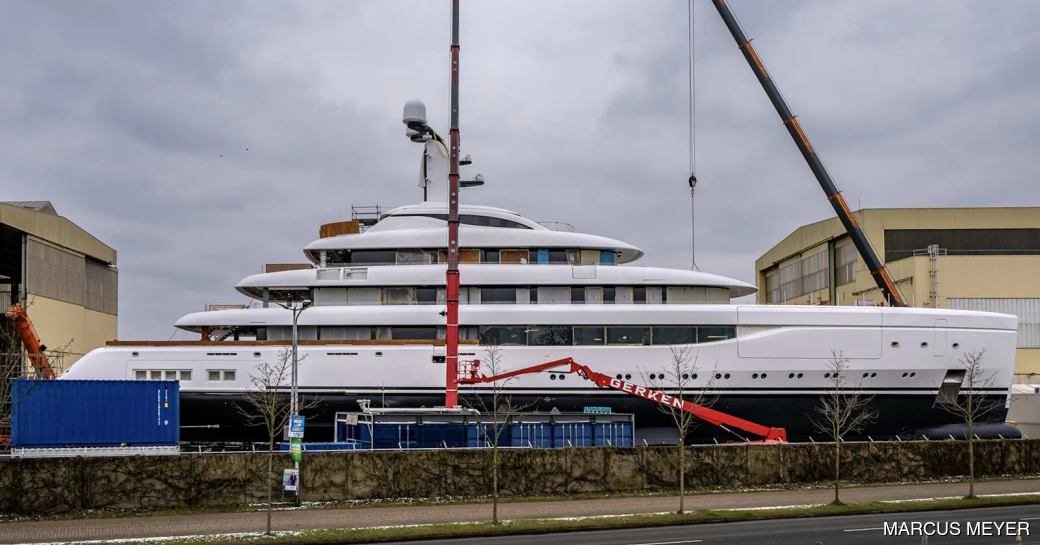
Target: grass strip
(573, 524)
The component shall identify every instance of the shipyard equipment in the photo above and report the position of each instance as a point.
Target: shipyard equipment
(34, 348)
(469, 374)
(859, 238)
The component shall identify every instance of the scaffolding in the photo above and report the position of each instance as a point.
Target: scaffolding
(366, 215)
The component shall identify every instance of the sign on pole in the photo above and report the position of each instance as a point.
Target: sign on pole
(291, 480)
(296, 449)
(296, 426)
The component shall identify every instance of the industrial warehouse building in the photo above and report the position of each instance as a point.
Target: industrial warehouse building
(65, 277)
(959, 258)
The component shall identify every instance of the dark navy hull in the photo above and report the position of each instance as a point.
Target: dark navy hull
(900, 416)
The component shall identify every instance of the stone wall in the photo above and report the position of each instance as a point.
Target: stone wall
(60, 485)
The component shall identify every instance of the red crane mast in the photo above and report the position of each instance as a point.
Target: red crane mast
(451, 334)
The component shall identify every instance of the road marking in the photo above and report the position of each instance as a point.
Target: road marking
(670, 542)
(862, 529)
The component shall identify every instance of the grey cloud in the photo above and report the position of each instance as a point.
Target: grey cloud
(134, 118)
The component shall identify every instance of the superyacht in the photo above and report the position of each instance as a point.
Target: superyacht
(374, 330)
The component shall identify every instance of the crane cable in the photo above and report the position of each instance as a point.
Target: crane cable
(692, 136)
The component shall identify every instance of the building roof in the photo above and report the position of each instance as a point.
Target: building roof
(39, 206)
(40, 219)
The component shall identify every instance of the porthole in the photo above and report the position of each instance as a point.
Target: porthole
(956, 345)
(726, 375)
(552, 376)
(628, 377)
(904, 375)
(799, 375)
(790, 375)
(653, 376)
(718, 375)
(563, 376)
(763, 375)
(379, 354)
(134, 354)
(924, 345)
(618, 376)
(256, 354)
(872, 375)
(755, 375)
(695, 376)
(686, 376)
(895, 344)
(865, 375)
(826, 375)
(912, 375)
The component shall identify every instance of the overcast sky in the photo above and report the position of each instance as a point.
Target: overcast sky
(203, 139)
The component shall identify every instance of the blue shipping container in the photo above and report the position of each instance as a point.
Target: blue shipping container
(94, 413)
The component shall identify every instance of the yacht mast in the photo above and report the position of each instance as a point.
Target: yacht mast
(451, 334)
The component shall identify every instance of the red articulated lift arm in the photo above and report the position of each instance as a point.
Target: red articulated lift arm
(711, 416)
(33, 347)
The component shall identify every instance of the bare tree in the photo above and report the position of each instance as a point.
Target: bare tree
(970, 403)
(678, 376)
(841, 411)
(267, 405)
(502, 410)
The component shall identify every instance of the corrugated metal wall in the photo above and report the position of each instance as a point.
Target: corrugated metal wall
(1027, 310)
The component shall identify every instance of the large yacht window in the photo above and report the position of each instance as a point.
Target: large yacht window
(498, 296)
(608, 296)
(577, 296)
(549, 335)
(473, 219)
(399, 296)
(344, 333)
(553, 295)
(628, 335)
(421, 256)
(502, 335)
(413, 257)
(589, 335)
(514, 256)
(716, 333)
(426, 296)
(558, 257)
(674, 335)
(413, 332)
(368, 257)
(639, 294)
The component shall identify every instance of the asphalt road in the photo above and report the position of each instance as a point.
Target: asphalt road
(846, 530)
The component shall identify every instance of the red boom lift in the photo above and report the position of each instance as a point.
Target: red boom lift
(33, 347)
(469, 375)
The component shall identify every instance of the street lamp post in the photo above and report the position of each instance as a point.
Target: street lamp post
(296, 308)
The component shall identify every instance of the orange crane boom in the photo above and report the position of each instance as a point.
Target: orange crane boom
(33, 347)
(718, 418)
